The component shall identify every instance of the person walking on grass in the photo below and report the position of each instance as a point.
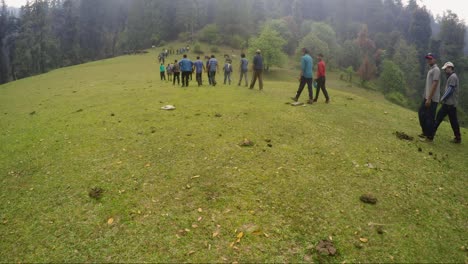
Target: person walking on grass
(186, 66)
(321, 70)
(427, 111)
(213, 67)
(227, 72)
(258, 70)
(450, 102)
(199, 68)
(176, 71)
(162, 70)
(306, 76)
(169, 72)
(244, 63)
(208, 69)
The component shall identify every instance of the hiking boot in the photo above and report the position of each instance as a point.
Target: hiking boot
(315, 100)
(295, 99)
(426, 140)
(327, 101)
(310, 101)
(456, 141)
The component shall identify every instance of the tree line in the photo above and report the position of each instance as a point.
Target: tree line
(382, 41)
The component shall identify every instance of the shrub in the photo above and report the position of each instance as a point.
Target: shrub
(397, 98)
(214, 49)
(197, 49)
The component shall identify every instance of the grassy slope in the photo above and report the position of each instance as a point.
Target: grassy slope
(99, 124)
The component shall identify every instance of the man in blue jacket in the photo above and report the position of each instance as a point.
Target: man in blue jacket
(186, 66)
(306, 76)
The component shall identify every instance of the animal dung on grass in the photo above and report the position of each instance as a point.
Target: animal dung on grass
(368, 198)
(96, 193)
(403, 136)
(247, 143)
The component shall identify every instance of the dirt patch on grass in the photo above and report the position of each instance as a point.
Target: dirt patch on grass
(247, 143)
(326, 247)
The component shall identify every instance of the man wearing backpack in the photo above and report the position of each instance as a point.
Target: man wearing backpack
(227, 72)
(243, 70)
(176, 71)
(169, 72)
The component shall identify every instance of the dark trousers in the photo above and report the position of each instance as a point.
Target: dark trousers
(185, 78)
(242, 75)
(305, 81)
(257, 74)
(176, 76)
(451, 111)
(163, 76)
(169, 77)
(227, 77)
(199, 79)
(213, 78)
(209, 78)
(427, 118)
(321, 86)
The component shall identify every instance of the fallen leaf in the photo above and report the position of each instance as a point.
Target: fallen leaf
(196, 176)
(110, 221)
(191, 252)
(148, 165)
(194, 226)
(200, 218)
(200, 210)
(240, 235)
(216, 233)
(364, 240)
(267, 235)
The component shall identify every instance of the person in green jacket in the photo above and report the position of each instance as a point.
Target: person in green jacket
(162, 70)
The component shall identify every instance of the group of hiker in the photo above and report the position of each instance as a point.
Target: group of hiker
(186, 67)
(429, 118)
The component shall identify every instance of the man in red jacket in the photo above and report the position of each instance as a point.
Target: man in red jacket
(321, 70)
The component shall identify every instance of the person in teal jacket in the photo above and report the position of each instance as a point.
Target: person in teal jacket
(306, 76)
(162, 70)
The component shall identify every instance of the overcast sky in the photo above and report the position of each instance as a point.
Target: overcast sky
(460, 7)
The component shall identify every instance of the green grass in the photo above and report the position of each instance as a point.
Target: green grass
(100, 125)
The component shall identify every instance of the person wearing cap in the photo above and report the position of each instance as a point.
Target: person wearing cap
(306, 76)
(449, 102)
(258, 70)
(427, 111)
(321, 69)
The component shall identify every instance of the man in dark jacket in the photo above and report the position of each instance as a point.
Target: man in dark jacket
(257, 70)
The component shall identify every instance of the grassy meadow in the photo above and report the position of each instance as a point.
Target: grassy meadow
(178, 187)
